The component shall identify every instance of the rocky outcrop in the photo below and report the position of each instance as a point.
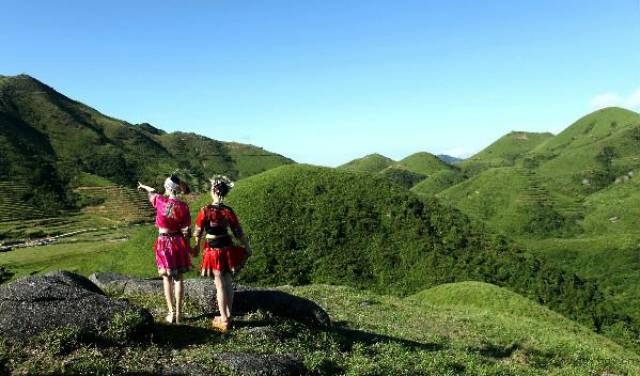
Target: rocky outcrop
(202, 292)
(31, 305)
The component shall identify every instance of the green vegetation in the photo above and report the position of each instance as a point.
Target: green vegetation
(515, 201)
(318, 225)
(505, 151)
(49, 142)
(426, 334)
(402, 176)
(425, 163)
(371, 163)
(438, 182)
(408, 172)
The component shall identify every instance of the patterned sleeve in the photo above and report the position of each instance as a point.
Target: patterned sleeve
(200, 218)
(153, 198)
(234, 223)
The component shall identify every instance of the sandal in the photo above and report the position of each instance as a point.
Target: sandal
(221, 325)
(170, 318)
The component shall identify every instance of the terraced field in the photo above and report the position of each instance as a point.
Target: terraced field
(117, 203)
(11, 205)
(109, 209)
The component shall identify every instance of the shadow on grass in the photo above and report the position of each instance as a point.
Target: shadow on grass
(182, 336)
(349, 337)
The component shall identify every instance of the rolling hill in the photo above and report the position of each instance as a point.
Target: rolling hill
(319, 225)
(371, 163)
(505, 151)
(425, 163)
(408, 172)
(541, 185)
(48, 140)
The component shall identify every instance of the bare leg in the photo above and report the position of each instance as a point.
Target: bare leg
(178, 285)
(228, 285)
(167, 281)
(221, 294)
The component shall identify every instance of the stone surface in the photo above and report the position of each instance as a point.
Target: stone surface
(279, 303)
(252, 364)
(202, 292)
(31, 305)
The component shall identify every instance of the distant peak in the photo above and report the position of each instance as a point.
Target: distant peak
(26, 82)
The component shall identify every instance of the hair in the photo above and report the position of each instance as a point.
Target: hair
(221, 185)
(183, 187)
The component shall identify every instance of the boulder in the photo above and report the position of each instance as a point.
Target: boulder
(252, 364)
(279, 303)
(202, 292)
(31, 305)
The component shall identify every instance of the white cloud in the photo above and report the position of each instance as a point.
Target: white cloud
(632, 101)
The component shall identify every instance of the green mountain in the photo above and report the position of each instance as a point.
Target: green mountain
(425, 163)
(319, 225)
(402, 176)
(591, 153)
(371, 163)
(505, 151)
(450, 159)
(47, 141)
(542, 187)
(408, 172)
(438, 182)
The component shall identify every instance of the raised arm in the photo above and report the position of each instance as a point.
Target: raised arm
(151, 193)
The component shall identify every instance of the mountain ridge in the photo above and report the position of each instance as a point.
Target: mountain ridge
(59, 138)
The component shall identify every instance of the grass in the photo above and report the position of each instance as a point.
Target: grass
(371, 163)
(425, 163)
(373, 334)
(50, 142)
(505, 151)
(438, 182)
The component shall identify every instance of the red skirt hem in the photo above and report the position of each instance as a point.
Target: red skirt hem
(222, 259)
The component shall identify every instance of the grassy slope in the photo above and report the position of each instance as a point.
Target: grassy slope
(505, 151)
(596, 247)
(371, 163)
(571, 156)
(425, 163)
(408, 172)
(433, 333)
(553, 173)
(438, 182)
(402, 176)
(48, 140)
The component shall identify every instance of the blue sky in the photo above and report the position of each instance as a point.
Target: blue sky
(327, 81)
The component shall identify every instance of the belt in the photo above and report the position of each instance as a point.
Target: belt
(175, 233)
(213, 237)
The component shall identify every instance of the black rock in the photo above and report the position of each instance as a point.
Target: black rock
(252, 364)
(202, 292)
(31, 305)
(279, 303)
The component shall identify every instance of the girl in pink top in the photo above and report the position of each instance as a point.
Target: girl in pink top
(172, 247)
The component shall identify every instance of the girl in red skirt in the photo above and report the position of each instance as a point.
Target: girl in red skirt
(172, 248)
(220, 257)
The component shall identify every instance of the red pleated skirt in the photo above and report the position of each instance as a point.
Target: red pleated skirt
(222, 259)
(172, 255)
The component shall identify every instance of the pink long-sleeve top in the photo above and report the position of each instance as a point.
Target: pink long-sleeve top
(171, 213)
